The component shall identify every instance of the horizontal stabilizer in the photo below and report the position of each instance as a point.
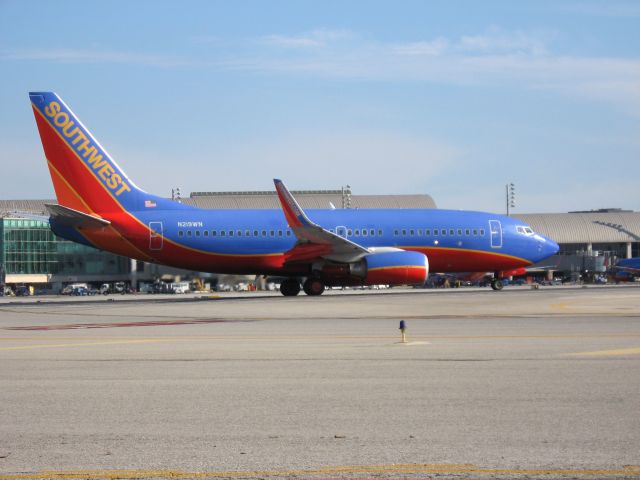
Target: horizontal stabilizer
(73, 218)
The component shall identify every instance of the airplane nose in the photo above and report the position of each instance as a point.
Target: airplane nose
(548, 247)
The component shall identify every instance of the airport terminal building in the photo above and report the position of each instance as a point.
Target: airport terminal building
(30, 254)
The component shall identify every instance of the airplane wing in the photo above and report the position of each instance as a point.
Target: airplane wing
(312, 237)
(73, 218)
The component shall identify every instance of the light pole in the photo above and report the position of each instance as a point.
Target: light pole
(346, 196)
(510, 191)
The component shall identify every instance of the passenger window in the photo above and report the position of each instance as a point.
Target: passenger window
(180, 233)
(380, 233)
(264, 233)
(279, 233)
(467, 232)
(206, 233)
(247, 233)
(349, 233)
(396, 233)
(231, 233)
(197, 233)
(357, 232)
(239, 233)
(364, 232)
(372, 233)
(482, 232)
(443, 232)
(404, 232)
(435, 232)
(419, 232)
(222, 233)
(427, 232)
(272, 233)
(214, 233)
(459, 232)
(412, 232)
(475, 232)
(188, 233)
(288, 233)
(255, 233)
(452, 232)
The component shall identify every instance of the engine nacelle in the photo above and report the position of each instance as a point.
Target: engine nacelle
(396, 268)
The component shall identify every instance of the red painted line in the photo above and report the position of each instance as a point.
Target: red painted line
(156, 323)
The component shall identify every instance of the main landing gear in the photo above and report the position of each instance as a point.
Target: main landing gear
(290, 287)
(312, 286)
(496, 283)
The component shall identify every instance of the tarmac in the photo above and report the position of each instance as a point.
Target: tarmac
(515, 384)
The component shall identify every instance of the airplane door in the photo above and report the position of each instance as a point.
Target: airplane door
(495, 229)
(155, 236)
(341, 231)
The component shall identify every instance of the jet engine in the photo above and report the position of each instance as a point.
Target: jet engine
(383, 268)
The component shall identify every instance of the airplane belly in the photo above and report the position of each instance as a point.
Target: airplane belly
(458, 260)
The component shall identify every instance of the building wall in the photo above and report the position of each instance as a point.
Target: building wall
(29, 247)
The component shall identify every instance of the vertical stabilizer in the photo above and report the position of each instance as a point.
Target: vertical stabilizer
(84, 175)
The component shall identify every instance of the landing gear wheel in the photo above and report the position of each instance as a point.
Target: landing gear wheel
(496, 284)
(290, 287)
(313, 286)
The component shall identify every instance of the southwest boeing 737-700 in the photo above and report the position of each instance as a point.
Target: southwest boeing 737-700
(99, 205)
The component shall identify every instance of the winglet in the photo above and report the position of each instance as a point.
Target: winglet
(292, 211)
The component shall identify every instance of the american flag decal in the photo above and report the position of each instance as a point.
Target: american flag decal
(149, 203)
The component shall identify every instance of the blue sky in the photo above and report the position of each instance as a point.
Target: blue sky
(454, 99)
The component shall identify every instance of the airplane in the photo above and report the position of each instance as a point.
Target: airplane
(100, 206)
(629, 265)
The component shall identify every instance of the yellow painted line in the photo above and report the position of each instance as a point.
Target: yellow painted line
(627, 472)
(311, 337)
(84, 344)
(608, 353)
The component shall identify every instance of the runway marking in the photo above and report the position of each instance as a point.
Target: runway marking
(86, 344)
(312, 337)
(627, 472)
(157, 323)
(608, 353)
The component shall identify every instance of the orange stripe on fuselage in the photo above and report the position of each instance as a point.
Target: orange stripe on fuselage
(107, 238)
(442, 259)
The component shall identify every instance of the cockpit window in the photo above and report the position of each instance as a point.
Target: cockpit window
(524, 230)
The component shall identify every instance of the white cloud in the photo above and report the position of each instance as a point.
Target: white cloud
(495, 57)
(60, 55)
(497, 40)
(429, 48)
(314, 39)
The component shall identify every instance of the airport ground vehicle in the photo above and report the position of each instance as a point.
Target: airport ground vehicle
(116, 287)
(69, 289)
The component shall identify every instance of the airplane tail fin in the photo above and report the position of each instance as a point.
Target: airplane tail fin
(84, 175)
